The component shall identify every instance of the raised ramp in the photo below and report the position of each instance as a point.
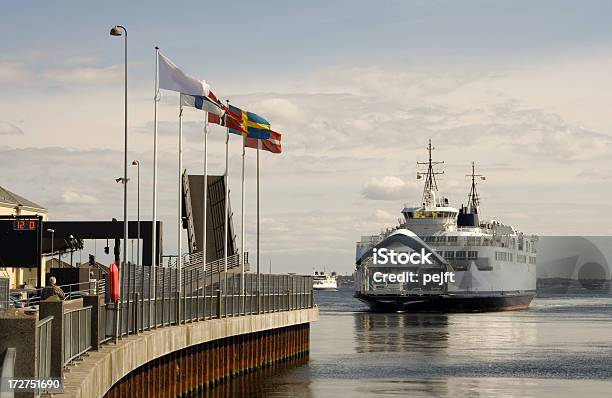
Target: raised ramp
(193, 204)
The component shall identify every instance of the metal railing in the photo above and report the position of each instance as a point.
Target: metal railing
(77, 333)
(195, 261)
(71, 291)
(201, 297)
(151, 298)
(43, 348)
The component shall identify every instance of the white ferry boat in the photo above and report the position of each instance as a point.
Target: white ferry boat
(493, 265)
(324, 281)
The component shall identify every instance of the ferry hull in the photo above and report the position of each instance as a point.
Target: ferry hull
(447, 303)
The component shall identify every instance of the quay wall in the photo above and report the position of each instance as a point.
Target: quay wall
(178, 360)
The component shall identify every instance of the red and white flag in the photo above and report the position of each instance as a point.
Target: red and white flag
(272, 144)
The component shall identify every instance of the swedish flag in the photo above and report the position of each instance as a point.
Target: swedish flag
(254, 126)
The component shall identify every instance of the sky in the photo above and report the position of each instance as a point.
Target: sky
(355, 87)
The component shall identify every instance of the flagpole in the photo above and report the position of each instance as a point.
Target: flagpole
(180, 208)
(258, 146)
(226, 220)
(154, 224)
(205, 187)
(242, 258)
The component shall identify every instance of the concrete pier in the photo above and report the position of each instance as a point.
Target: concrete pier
(183, 359)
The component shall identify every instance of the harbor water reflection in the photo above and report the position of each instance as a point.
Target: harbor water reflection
(560, 347)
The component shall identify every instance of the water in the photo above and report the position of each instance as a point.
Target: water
(560, 347)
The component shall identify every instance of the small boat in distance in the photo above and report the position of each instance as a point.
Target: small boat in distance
(324, 281)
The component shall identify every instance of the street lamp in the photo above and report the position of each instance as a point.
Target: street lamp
(119, 30)
(137, 164)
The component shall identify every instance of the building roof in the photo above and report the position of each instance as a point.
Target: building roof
(10, 198)
(55, 263)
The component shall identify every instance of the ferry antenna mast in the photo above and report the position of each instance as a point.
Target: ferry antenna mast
(474, 197)
(430, 174)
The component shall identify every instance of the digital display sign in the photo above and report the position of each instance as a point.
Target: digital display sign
(20, 242)
(25, 224)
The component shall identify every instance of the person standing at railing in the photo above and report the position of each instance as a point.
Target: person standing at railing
(53, 290)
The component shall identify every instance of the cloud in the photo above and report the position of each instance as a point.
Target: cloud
(79, 60)
(101, 75)
(350, 147)
(74, 70)
(71, 197)
(279, 108)
(383, 216)
(193, 131)
(7, 128)
(13, 72)
(596, 175)
(386, 188)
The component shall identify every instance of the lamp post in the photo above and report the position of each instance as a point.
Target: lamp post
(71, 240)
(119, 30)
(137, 164)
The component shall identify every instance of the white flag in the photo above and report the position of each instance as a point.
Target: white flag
(173, 79)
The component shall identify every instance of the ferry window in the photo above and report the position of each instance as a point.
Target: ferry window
(430, 239)
(472, 255)
(452, 239)
(441, 239)
(473, 240)
(422, 214)
(503, 256)
(449, 255)
(410, 214)
(461, 255)
(500, 256)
